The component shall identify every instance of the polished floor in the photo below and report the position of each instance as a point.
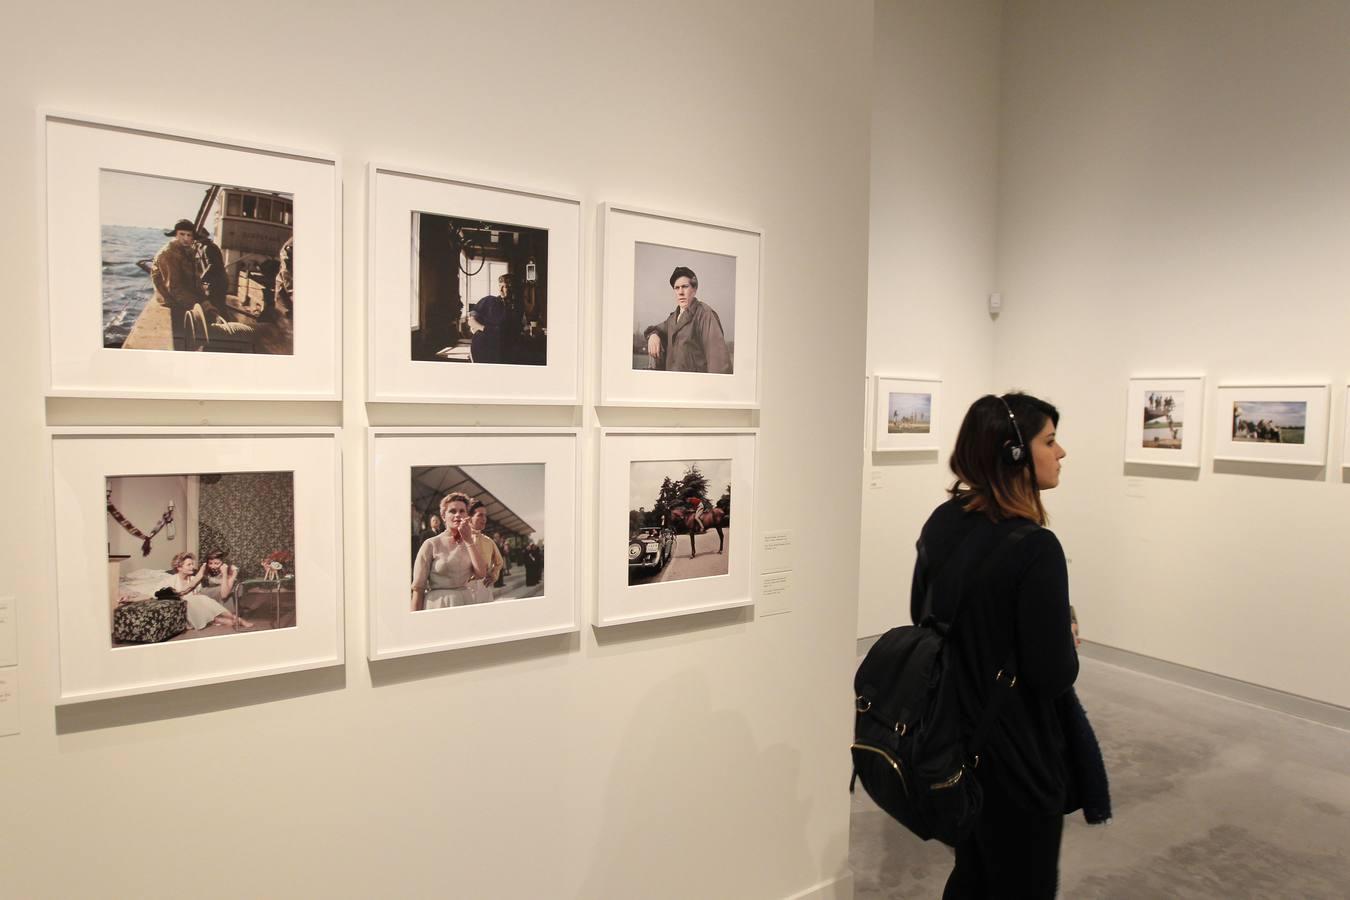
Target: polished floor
(1213, 798)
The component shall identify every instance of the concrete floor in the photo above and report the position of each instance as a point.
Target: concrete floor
(1213, 798)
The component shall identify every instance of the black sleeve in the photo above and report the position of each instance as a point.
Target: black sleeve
(1047, 660)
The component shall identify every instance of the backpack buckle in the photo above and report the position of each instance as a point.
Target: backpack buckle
(862, 704)
(999, 677)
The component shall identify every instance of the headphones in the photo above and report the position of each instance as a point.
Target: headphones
(1014, 452)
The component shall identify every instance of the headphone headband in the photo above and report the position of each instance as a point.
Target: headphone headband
(1016, 453)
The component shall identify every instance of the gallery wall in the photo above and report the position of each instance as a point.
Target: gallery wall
(1175, 196)
(933, 214)
(695, 757)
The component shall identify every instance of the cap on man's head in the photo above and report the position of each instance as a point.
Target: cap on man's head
(683, 272)
(181, 225)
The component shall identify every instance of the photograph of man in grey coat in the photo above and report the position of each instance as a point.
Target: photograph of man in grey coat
(691, 337)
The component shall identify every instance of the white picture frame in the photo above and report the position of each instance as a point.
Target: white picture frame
(395, 628)
(1163, 421)
(1345, 446)
(640, 246)
(397, 320)
(1240, 410)
(80, 153)
(672, 590)
(915, 398)
(84, 459)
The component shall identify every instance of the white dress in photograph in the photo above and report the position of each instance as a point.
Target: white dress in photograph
(444, 573)
(201, 609)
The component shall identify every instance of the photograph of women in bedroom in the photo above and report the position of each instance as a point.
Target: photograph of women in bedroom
(194, 556)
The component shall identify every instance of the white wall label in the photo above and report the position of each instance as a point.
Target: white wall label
(775, 594)
(9, 632)
(9, 701)
(777, 551)
(875, 480)
(1134, 487)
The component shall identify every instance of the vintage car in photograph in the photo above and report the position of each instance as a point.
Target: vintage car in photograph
(650, 549)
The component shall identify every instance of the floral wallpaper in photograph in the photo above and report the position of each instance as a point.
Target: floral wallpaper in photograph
(249, 515)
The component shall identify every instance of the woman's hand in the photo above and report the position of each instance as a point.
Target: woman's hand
(465, 531)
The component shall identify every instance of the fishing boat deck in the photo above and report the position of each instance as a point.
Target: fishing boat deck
(154, 330)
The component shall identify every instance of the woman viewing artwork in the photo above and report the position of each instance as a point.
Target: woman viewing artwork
(1007, 452)
(202, 609)
(447, 563)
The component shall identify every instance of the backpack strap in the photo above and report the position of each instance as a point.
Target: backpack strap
(931, 577)
(1005, 544)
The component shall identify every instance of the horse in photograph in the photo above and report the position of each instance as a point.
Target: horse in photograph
(696, 517)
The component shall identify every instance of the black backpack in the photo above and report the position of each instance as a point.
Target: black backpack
(910, 749)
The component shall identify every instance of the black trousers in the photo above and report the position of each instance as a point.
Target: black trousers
(1012, 853)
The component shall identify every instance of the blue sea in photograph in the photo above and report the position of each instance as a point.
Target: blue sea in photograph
(126, 288)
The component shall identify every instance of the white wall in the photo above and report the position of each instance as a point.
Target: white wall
(1175, 199)
(932, 254)
(698, 758)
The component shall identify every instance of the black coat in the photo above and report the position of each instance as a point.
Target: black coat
(1023, 610)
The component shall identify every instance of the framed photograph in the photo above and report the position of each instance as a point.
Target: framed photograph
(681, 311)
(1162, 421)
(473, 537)
(905, 414)
(187, 267)
(669, 544)
(1272, 424)
(192, 556)
(474, 292)
(1345, 450)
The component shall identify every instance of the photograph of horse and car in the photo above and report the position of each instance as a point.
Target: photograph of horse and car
(676, 529)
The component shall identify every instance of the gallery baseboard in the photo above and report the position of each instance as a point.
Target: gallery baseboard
(1232, 688)
(840, 888)
(1222, 685)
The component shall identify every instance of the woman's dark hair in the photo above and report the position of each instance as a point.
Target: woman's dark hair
(987, 477)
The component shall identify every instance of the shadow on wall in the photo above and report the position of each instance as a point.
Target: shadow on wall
(668, 795)
(118, 712)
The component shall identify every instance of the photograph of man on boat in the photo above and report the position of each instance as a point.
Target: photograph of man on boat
(196, 267)
(479, 291)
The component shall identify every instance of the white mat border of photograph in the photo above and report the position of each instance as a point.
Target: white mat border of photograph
(79, 366)
(392, 376)
(621, 227)
(883, 385)
(1313, 450)
(393, 629)
(616, 602)
(1190, 455)
(90, 667)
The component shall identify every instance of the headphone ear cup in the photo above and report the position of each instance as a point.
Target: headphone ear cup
(1015, 453)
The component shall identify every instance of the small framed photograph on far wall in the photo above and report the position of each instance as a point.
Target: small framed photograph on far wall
(906, 414)
(1162, 421)
(1285, 425)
